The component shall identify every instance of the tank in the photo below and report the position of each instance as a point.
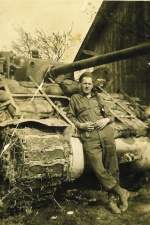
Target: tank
(40, 148)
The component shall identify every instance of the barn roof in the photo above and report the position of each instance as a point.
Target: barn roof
(86, 49)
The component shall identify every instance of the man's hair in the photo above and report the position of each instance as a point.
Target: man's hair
(85, 74)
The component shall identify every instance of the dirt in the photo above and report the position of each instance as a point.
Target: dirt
(84, 202)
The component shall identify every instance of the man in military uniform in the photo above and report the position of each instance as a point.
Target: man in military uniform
(90, 115)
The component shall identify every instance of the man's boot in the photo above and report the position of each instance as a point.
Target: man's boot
(123, 197)
(113, 204)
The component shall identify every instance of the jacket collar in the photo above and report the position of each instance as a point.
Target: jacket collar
(93, 94)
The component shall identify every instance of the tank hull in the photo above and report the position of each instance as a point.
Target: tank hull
(40, 148)
(135, 151)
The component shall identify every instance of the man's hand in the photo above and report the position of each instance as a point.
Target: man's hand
(88, 126)
(100, 124)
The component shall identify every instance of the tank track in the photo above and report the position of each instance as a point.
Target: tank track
(33, 166)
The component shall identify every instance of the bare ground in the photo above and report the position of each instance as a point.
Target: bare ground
(84, 203)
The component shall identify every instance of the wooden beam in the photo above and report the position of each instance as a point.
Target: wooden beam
(51, 103)
(88, 52)
(9, 94)
(38, 95)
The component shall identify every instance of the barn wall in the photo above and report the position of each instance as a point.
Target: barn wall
(128, 25)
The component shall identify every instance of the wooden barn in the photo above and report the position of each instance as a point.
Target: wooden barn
(119, 25)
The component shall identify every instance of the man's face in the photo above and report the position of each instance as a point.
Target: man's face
(86, 85)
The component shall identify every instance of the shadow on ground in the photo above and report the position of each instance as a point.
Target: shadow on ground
(84, 202)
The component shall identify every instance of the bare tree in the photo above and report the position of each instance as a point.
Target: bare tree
(90, 11)
(50, 46)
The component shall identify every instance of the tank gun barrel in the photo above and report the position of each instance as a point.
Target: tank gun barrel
(101, 59)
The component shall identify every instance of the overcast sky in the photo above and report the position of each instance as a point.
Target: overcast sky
(50, 15)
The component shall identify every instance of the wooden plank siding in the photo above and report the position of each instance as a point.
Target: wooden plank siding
(128, 25)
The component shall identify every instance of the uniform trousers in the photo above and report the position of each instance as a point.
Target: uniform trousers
(100, 150)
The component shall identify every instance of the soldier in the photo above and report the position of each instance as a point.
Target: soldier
(90, 115)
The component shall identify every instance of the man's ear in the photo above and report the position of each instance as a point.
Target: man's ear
(79, 86)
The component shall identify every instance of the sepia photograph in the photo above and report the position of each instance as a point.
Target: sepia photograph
(74, 112)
